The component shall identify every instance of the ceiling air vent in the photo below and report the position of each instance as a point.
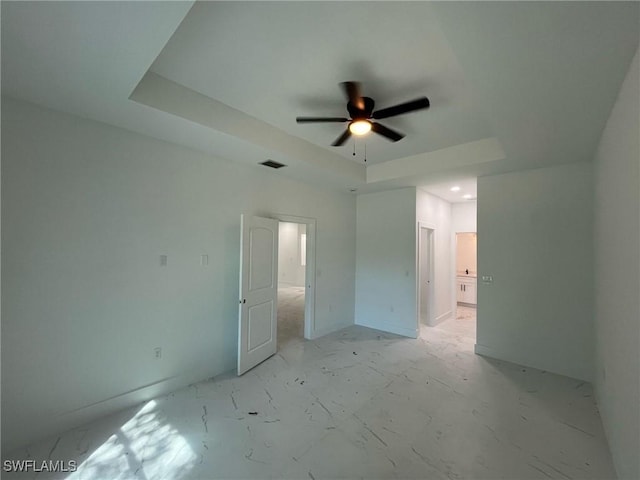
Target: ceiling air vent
(272, 164)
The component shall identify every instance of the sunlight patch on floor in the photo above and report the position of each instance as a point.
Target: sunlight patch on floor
(146, 447)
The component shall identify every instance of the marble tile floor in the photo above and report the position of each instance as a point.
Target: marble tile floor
(290, 314)
(464, 325)
(357, 403)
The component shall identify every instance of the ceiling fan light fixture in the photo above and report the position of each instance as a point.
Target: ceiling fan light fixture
(361, 110)
(360, 127)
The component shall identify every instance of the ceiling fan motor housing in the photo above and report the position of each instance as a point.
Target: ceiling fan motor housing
(361, 113)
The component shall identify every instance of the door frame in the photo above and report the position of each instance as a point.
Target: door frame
(309, 272)
(430, 252)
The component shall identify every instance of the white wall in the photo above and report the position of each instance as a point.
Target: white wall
(290, 269)
(466, 254)
(436, 213)
(87, 210)
(463, 216)
(535, 238)
(386, 261)
(617, 286)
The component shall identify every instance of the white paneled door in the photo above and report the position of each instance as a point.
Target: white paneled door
(258, 313)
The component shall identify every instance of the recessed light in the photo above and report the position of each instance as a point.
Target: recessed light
(455, 189)
(467, 196)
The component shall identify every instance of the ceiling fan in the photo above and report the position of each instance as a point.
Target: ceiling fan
(361, 111)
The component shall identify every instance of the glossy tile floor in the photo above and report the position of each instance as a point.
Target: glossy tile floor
(463, 327)
(354, 404)
(290, 314)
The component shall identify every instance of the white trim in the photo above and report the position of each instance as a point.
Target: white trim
(517, 359)
(432, 242)
(140, 392)
(443, 317)
(391, 328)
(303, 249)
(330, 329)
(465, 304)
(485, 351)
(81, 415)
(309, 271)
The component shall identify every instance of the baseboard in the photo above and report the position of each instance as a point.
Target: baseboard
(470, 305)
(391, 328)
(321, 332)
(123, 396)
(68, 420)
(441, 318)
(485, 351)
(489, 352)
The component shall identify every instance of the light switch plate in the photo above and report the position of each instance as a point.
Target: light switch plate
(487, 278)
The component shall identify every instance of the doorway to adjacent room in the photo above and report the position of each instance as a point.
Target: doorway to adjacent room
(292, 262)
(426, 298)
(466, 282)
(296, 278)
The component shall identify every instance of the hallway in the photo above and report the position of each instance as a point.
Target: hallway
(290, 314)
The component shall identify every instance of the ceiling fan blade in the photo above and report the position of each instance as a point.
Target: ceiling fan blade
(386, 132)
(416, 104)
(321, 119)
(352, 90)
(342, 138)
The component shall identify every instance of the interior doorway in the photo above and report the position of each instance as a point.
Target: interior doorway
(426, 268)
(296, 278)
(258, 325)
(466, 281)
(292, 261)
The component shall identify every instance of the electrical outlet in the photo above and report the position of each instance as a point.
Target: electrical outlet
(204, 260)
(158, 352)
(163, 260)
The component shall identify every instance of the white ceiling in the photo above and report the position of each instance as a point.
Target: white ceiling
(466, 186)
(287, 59)
(513, 85)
